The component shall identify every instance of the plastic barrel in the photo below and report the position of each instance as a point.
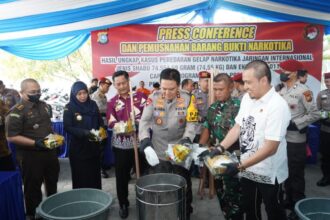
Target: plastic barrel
(161, 196)
(76, 204)
(313, 209)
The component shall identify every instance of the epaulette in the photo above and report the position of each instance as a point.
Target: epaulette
(19, 107)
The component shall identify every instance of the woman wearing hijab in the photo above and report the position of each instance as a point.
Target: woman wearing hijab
(80, 116)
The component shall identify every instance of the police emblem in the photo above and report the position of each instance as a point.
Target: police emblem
(311, 32)
(102, 37)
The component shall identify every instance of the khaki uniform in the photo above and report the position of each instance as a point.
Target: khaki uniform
(202, 106)
(33, 121)
(323, 104)
(303, 112)
(101, 100)
(168, 121)
(10, 97)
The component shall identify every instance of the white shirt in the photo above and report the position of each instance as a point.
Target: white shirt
(264, 119)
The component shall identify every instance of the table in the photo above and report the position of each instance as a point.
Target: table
(11, 196)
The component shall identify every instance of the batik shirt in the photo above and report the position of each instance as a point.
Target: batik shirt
(119, 109)
(221, 118)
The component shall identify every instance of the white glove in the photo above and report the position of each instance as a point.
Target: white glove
(151, 156)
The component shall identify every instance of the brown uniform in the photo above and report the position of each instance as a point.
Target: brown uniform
(6, 160)
(10, 97)
(32, 120)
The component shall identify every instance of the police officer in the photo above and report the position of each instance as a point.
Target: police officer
(101, 100)
(187, 86)
(238, 91)
(27, 124)
(323, 104)
(9, 96)
(166, 114)
(201, 97)
(303, 112)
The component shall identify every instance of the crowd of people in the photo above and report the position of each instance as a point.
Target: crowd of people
(266, 124)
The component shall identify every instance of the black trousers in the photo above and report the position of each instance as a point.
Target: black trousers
(124, 162)
(7, 163)
(167, 167)
(325, 153)
(295, 184)
(38, 167)
(254, 193)
(86, 172)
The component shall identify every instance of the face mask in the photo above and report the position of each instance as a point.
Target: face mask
(284, 77)
(34, 98)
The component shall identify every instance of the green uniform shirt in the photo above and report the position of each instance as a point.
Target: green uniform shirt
(221, 118)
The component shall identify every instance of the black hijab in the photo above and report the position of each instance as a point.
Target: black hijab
(85, 108)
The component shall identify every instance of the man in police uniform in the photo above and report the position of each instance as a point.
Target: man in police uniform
(323, 104)
(101, 100)
(27, 124)
(172, 117)
(238, 86)
(9, 96)
(303, 112)
(201, 97)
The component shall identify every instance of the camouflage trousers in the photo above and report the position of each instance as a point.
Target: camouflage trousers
(229, 194)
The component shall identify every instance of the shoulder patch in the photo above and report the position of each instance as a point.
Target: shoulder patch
(308, 96)
(149, 102)
(20, 107)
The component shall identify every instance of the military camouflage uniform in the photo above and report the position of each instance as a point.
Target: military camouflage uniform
(220, 119)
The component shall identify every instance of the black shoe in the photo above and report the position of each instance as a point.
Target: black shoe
(323, 182)
(104, 174)
(293, 216)
(123, 212)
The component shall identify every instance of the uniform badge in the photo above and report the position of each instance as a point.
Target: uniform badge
(159, 121)
(20, 107)
(308, 96)
(35, 126)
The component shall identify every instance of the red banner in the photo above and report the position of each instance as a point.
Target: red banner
(144, 50)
